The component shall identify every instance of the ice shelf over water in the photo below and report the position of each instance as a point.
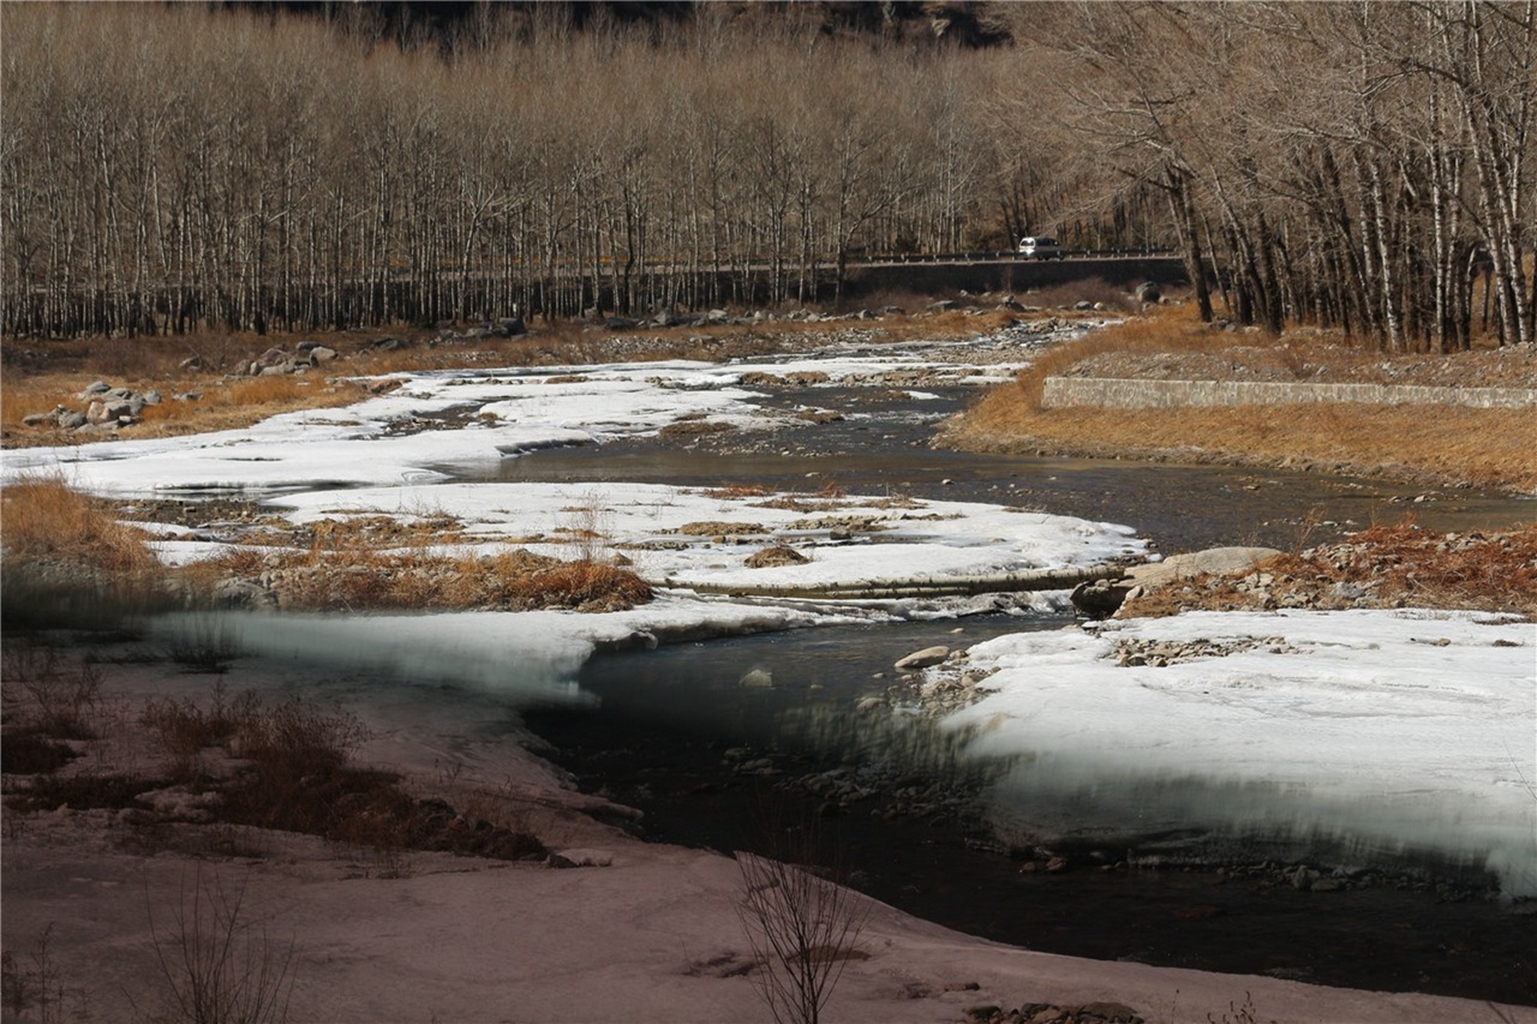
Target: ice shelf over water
(1410, 729)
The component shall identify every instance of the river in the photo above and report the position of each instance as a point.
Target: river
(675, 732)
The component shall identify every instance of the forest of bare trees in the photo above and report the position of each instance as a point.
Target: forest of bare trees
(175, 168)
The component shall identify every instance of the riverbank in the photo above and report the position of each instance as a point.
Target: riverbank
(1431, 444)
(99, 899)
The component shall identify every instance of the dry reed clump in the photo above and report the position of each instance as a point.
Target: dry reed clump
(359, 578)
(48, 528)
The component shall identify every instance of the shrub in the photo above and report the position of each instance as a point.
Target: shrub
(217, 965)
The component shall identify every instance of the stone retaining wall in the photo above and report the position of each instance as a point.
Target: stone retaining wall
(1168, 394)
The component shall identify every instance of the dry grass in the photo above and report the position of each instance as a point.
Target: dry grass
(44, 520)
(355, 577)
(1484, 447)
(1387, 566)
(1163, 329)
(1425, 569)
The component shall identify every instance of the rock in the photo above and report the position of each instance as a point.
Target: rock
(108, 411)
(1083, 306)
(1346, 591)
(152, 397)
(513, 326)
(37, 419)
(238, 593)
(389, 344)
(1099, 599)
(757, 679)
(1212, 560)
(321, 354)
(271, 357)
(101, 387)
(1147, 291)
(581, 859)
(923, 659)
(72, 420)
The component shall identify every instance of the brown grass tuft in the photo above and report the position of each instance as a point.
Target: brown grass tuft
(42, 519)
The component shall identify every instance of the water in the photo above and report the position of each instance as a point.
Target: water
(884, 447)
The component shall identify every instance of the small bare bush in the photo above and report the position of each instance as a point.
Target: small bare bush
(184, 729)
(32, 985)
(217, 965)
(206, 645)
(803, 928)
(60, 694)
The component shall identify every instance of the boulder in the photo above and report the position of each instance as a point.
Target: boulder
(1099, 599)
(1148, 291)
(72, 420)
(321, 354)
(272, 357)
(757, 679)
(923, 659)
(110, 410)
(1213, 560)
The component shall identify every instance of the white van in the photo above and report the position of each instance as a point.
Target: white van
(1032, 248)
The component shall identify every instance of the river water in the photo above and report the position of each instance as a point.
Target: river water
(676, 733)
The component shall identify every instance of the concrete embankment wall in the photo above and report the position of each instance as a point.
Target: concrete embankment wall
(1166, 394)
